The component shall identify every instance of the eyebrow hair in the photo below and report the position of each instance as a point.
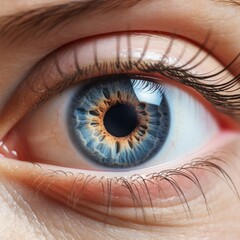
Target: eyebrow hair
(43, 19)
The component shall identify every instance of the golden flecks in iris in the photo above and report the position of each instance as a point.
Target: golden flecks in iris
(96, 123)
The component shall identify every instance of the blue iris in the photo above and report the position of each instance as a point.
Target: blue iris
(119, 121)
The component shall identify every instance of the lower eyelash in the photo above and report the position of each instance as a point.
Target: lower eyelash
(136, 185)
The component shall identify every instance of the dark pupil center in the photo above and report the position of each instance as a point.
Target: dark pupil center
(120, 120)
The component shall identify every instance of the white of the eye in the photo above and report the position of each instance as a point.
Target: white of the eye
(192, 127)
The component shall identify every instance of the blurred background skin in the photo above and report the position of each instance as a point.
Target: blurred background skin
(27, 215)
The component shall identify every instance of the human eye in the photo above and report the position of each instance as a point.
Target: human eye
(135, 106)
(134, 127)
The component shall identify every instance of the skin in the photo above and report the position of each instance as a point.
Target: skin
(27, 213)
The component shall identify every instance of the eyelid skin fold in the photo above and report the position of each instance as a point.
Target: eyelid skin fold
(154, 55)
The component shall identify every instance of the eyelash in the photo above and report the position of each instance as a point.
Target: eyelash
(218, 95)
(137, 183)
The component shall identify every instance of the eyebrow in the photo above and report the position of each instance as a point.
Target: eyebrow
(43, 19)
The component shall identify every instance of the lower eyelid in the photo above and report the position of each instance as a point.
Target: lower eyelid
(130, 196)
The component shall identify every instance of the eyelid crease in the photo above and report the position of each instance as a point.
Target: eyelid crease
(44, 19)
(235, 3)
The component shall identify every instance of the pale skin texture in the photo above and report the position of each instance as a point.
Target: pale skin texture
(27, 215)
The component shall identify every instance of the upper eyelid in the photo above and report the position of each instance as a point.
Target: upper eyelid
(43, 93)
(58, 39)
(24, 102)
(172, 71)
(42, 20)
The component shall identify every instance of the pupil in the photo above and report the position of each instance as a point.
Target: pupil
(120, 120)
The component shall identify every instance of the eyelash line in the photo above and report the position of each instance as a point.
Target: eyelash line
(137, 182)
(220, 95)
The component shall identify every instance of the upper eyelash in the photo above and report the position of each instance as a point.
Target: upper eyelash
(221, 95)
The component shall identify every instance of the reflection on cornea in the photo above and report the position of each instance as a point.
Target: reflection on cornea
(6, 152)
